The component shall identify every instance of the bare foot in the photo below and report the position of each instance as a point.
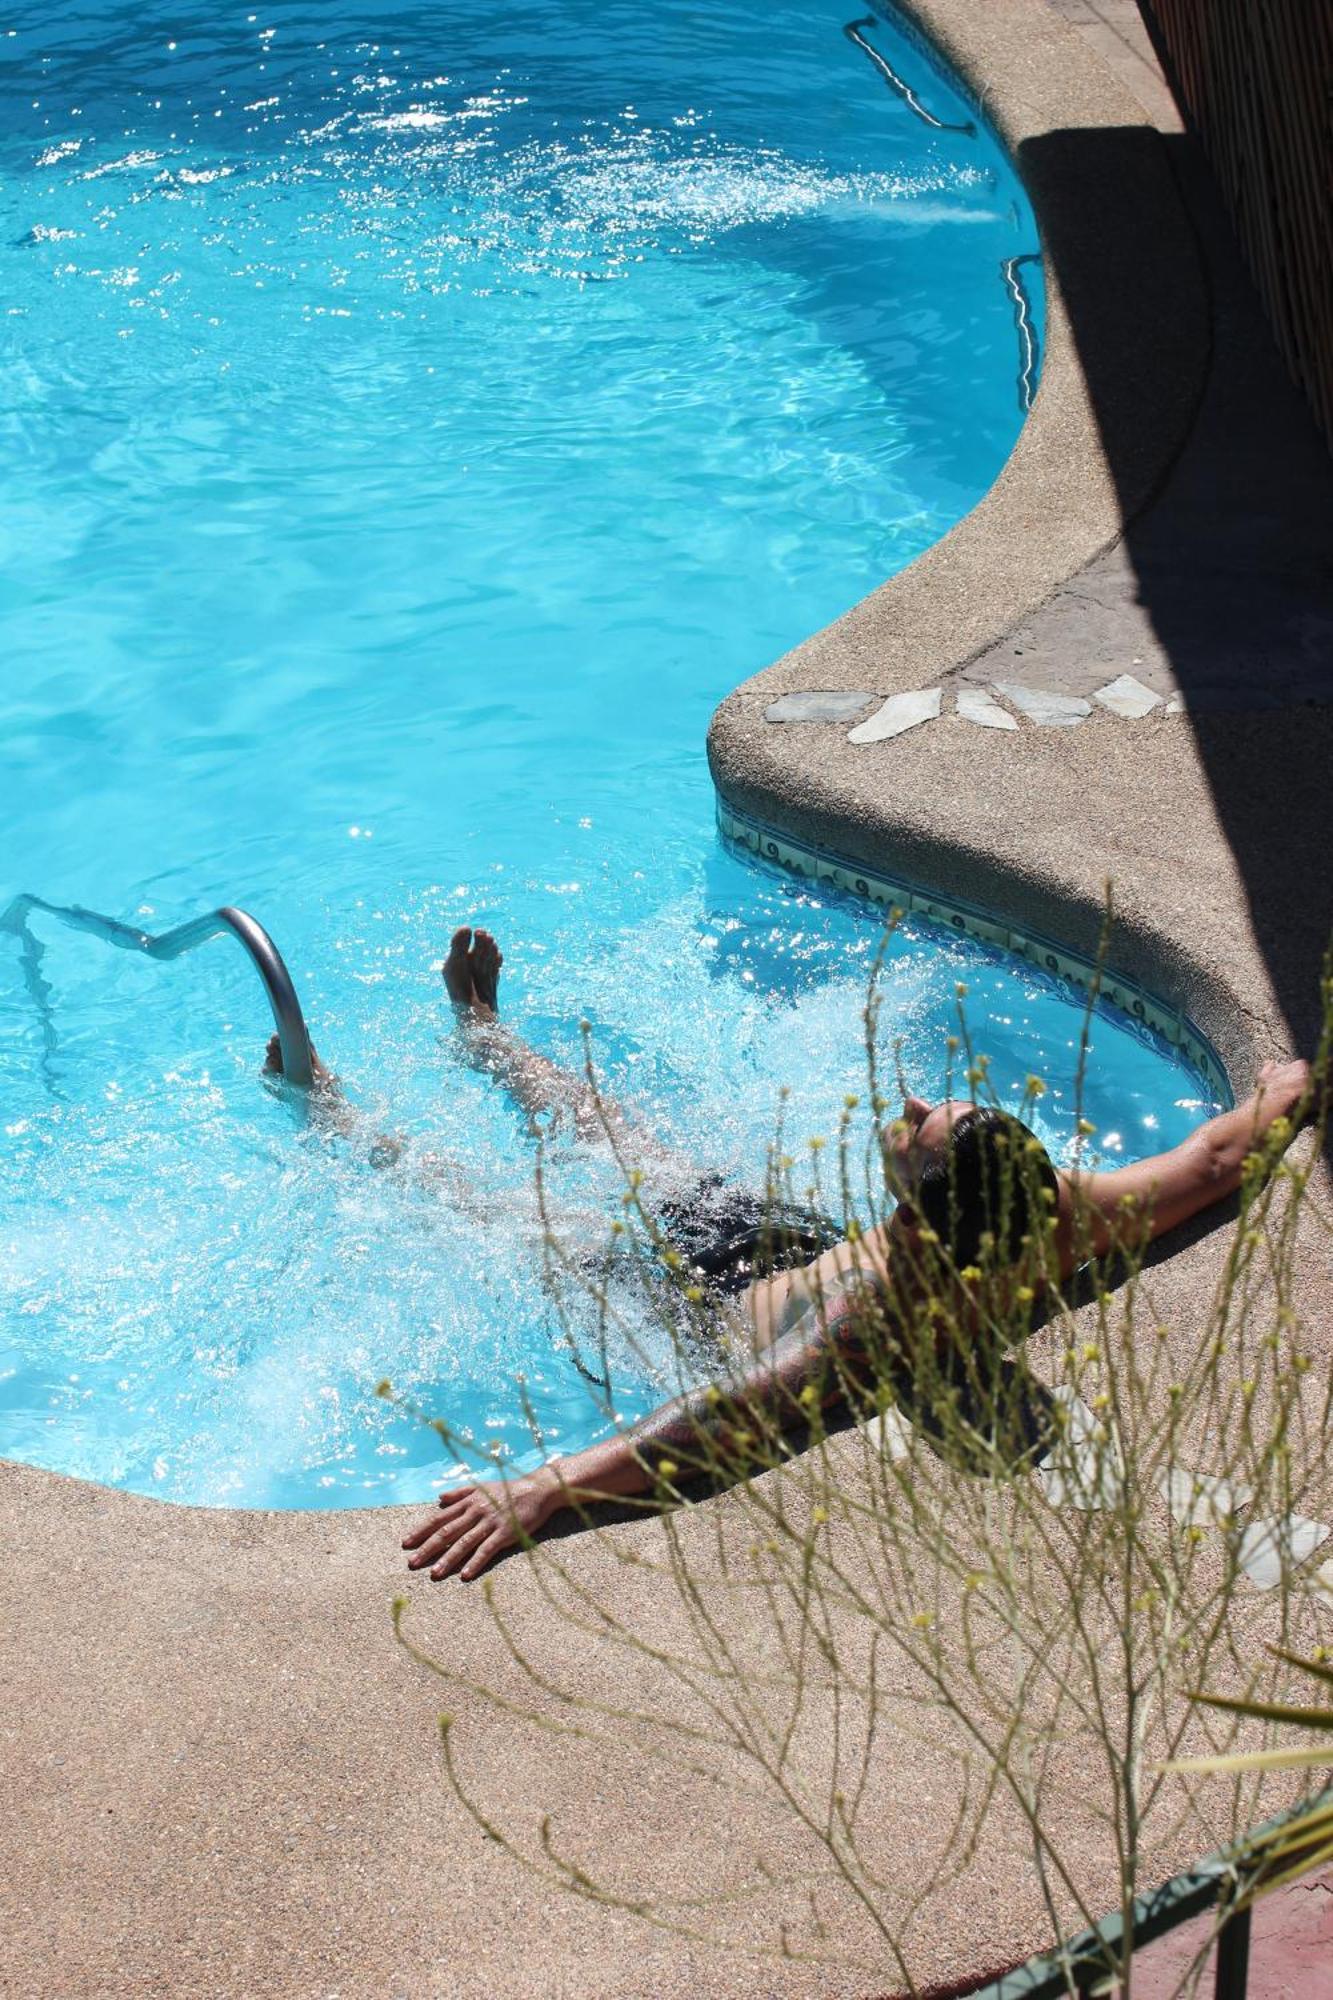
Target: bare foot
(472, 974)
(457, 969)
(320, 1077)
(485, 959)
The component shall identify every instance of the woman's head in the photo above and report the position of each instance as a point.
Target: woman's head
(974, 1175)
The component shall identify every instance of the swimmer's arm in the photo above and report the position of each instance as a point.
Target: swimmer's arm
(696, 1432)
(776, 1305)
(1129, 1207)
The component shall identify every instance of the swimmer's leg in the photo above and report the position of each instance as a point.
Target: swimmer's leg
(331, 1110)
(538, 1086)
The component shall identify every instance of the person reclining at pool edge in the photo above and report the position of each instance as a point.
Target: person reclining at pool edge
(947, 1163)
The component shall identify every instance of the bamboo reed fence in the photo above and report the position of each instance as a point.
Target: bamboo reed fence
(1255, 78)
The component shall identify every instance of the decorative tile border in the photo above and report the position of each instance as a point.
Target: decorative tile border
(1140, 1010)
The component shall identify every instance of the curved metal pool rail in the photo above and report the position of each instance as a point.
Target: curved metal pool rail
(898, 84)
(1011, 271)
(293, 1036)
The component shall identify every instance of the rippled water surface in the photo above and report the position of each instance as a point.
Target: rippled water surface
(412, 421)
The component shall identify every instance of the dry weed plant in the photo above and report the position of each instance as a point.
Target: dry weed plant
(1019, 1556)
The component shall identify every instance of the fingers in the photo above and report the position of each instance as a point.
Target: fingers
(468, 1533)
(495, 1544)
(448, 1516)
(465, 1545)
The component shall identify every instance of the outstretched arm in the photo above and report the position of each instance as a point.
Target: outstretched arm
(804, 1371)
(1130, 1206)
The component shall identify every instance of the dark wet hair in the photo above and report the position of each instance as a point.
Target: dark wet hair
(992, 1178)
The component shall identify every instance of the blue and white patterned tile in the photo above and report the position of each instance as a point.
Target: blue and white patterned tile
(1132, 1005)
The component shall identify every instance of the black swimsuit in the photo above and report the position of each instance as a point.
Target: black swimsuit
(729, 1236)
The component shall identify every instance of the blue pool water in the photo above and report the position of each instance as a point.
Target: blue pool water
(414, 420)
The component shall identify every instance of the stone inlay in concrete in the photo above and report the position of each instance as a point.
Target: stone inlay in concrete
(1085, 1469)
(899, 713)
(890, 1433)
(976, 705)
(1045, 706)
(830, 706)
(1202, 1500)
(1128, 697)
(1269, 1547)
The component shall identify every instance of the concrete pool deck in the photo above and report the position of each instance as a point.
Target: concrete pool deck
(219, 1773)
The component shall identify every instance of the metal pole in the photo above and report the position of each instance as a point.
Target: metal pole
(293, 1036)
(1233, 1957)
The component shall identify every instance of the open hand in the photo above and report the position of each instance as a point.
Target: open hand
(475, 1524)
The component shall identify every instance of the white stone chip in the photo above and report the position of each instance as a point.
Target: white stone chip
(830, 705)
(890, 1434)
(1085, 1469)
(1323, 1585)
(1270, 1546)
(1201, 1499)
(976, 705)
(898, 714)
(1128, 697)
(1176, 705)
(1044, 706)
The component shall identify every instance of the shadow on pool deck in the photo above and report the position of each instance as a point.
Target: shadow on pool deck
(1223, 584)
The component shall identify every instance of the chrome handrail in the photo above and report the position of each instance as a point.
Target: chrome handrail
(293, 1036)
(1024, 325)
(897, 84)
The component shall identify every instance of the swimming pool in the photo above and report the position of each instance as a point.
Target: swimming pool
(409, 437)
